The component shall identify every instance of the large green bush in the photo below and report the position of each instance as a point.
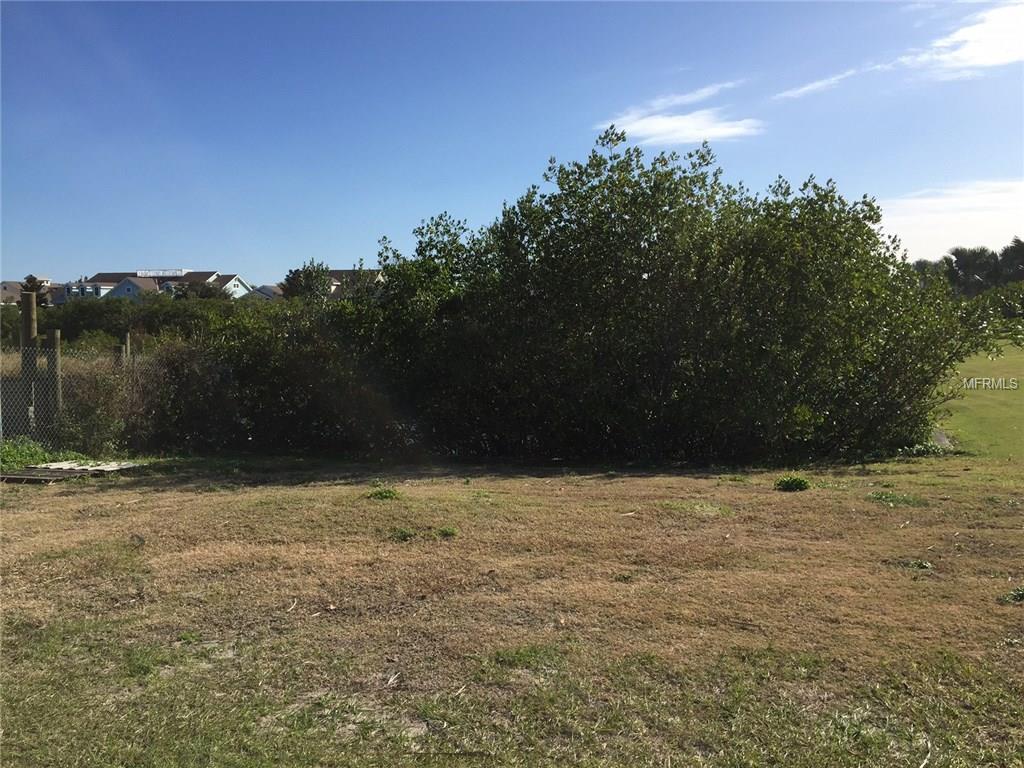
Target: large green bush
(649, 309)
(631, 308)
(273, 377)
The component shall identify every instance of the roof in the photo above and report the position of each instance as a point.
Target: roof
(347, 280)
(109, 277)
(223, 280)
(10, 291)
(198, 277)
(117, 277)
(143, 283)
(273, 291)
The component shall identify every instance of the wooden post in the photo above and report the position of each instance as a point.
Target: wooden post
(53, 364)
(29, 333)
(29, 357)
(29, 329)
(128, 343)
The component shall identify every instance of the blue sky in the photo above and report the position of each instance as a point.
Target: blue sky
(249, 137)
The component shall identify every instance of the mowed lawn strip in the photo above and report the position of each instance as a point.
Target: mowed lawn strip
(253, 614)
(987, 421)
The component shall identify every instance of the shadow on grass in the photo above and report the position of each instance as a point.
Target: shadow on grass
(226, 472)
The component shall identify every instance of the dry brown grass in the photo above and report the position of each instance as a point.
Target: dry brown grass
(682, 567)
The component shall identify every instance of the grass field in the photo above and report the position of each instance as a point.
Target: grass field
(265, 613)
(989, 422)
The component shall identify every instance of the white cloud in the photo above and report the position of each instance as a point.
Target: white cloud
(654, 123)
(690, 128)
(679, 99)
(815, 86)
(932, 221)
(994, 38)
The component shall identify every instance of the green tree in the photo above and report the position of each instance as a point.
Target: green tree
(648, 309)
(977, 269)
(1011, 261)
(10, 325)
(312, 281)
(198, 290)
(32, 283)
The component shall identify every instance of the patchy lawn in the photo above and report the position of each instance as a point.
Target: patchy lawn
(264, 614)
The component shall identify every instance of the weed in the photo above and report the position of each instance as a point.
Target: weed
(1014, 597)
(623, 578)
(791, 483)
(383, 493)
(401, 535)
(923, 449)
(832, 485)
(21, 451)
(447, 532)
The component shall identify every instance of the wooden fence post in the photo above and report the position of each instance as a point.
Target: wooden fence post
(29, 360)
(28, 319)
(53, 366)
(29, 334)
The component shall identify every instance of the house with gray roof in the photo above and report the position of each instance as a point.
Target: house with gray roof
(133, 288)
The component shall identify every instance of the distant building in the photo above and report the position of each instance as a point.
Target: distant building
(345, 281)
(92, 288)
(133, 288)
(235, 285)
(267, 293)
(133, 284)
(10, 292)
(109, 277)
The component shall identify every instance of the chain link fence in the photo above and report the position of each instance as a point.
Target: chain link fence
(83, 400)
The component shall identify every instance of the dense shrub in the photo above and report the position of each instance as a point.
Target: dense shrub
(152, 315)
(20, 451)
(650, 310)
(109, 405)
(632, 309)
(792, 483)
(273, 377)
(10, 325)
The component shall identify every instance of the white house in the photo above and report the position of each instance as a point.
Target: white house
(132, 284)
(94, 288)
(235, 285)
